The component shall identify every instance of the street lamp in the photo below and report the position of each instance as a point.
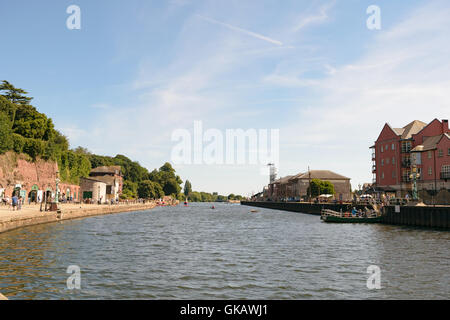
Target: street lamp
(57, 180)
(414, 177)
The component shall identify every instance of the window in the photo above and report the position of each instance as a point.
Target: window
(440, 153)
(387, 148)
(381, 148)
(448, 152)
(445, 172)
(393, 146)
(382, 175)
(387, 161)
(393, 174)
(406, 146)
(393, 160)
(382, 162)
(429, 154)
(430, 171)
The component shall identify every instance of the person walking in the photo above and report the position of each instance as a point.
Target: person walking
(14, 202)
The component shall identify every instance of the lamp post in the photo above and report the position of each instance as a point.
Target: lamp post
(57, 181)
(414, 176)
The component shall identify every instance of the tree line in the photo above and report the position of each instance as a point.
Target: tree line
(23, 129)
(196, 196)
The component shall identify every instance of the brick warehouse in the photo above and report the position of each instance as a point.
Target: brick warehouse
(32, 180)
(397, 149)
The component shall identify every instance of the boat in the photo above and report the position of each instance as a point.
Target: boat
(254, 211)
(369, 216)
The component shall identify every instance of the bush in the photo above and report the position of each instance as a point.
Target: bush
(34, 148)
(18, 142)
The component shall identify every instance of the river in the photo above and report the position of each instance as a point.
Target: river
(196, 252)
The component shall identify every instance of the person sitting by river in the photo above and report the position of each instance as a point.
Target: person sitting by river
(354, 211)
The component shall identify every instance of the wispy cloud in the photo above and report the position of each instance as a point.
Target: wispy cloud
(247, 32)
(316, 18)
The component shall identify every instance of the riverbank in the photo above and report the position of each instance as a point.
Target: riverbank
(418, 216)
(30, 214)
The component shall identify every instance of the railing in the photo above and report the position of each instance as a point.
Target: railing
(445, 175)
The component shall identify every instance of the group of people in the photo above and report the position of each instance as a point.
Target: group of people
(15, 203)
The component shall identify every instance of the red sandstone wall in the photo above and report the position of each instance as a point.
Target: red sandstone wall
(17, 170)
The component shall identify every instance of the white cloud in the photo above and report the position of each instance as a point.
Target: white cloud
(403, 76)
(247, 32)
(316, 18)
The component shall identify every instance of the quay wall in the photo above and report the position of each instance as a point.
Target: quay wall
(303, 207)
(419, 216)
(35, 218)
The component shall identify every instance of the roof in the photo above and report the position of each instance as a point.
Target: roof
(320, 174)
(430, 143)
(283, 179)
(106, 169)
(411, 128)
(109, 180)
(92, 179)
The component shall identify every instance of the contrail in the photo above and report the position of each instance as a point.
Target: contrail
(250, 33)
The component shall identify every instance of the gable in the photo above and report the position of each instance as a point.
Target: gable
(387, 133)
(434, 128)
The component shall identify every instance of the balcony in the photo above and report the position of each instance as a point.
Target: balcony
(445, 175)
(374, 169)
(406, 163)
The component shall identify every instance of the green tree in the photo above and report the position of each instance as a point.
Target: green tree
(327, 187)
(6, 142)
(9, 108)
(13, 94)
(314, 188)
(187, 188)
(149, 190)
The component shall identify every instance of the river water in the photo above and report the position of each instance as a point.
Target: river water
(196, 252)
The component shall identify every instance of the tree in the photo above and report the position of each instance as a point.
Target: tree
(149, 190)
(187, 188)
(319, 187)
(314, 188)
(9, 108)
(327, 187)
(13, 94)
(6, 141)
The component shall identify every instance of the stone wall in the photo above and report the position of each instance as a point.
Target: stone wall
(21, 171)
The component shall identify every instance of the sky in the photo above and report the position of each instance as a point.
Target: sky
(139, 70)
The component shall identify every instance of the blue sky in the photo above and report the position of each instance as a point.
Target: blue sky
(138, 70)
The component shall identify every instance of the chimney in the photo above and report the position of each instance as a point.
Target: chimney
(445, 126)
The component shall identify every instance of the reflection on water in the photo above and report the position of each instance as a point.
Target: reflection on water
(227, 253)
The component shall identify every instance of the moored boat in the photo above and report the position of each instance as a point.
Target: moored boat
(368, 216)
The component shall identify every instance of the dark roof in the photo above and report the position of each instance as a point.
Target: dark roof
(109, 180)
(106, 169)
(430, 143)
(320, 174)
(92, 179)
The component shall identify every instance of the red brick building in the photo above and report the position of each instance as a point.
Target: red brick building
(393, 159)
